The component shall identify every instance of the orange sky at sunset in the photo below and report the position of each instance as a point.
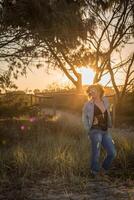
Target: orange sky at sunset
(39, 78)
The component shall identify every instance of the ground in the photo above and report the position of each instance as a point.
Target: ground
(79, 189)
(42, 186)
(94, 190)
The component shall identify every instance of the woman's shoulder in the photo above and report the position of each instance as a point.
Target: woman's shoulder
(87, 104)
(106, 100)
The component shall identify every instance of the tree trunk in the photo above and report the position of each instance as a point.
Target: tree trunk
(79, 83)
(118, 107)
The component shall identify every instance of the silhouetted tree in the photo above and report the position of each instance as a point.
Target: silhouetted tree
(71, 34)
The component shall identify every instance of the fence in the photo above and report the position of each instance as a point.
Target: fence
(56, 101)
(71, 101)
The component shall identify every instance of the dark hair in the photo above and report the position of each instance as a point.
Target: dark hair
(99, 88)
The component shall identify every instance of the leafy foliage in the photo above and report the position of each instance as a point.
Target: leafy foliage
(63, 34)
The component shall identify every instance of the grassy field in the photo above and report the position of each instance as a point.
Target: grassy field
(56, 147)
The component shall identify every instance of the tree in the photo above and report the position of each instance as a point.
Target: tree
(72, 34)
(114, 31)
(12, 43)
(60, 29)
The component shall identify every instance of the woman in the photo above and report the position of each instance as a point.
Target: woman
(96, 119)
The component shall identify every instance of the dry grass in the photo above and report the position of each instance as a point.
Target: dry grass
(58, 147)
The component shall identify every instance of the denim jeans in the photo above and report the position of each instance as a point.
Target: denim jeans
(98, 138)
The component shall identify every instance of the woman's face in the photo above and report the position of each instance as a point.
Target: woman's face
(93, 92)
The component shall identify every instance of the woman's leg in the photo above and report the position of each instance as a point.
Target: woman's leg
(109, 146)
(96, 139)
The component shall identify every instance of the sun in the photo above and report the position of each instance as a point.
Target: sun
(88, 76)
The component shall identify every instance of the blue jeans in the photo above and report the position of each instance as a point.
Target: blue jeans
(98, 138)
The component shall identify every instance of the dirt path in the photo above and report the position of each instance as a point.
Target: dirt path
(57, 189)
(75, 189)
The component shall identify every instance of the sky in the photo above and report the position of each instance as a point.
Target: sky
(40, 79)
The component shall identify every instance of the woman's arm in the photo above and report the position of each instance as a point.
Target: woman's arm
(85, 118)
(107, 104)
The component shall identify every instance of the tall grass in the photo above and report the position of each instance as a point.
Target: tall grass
(58, 147)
